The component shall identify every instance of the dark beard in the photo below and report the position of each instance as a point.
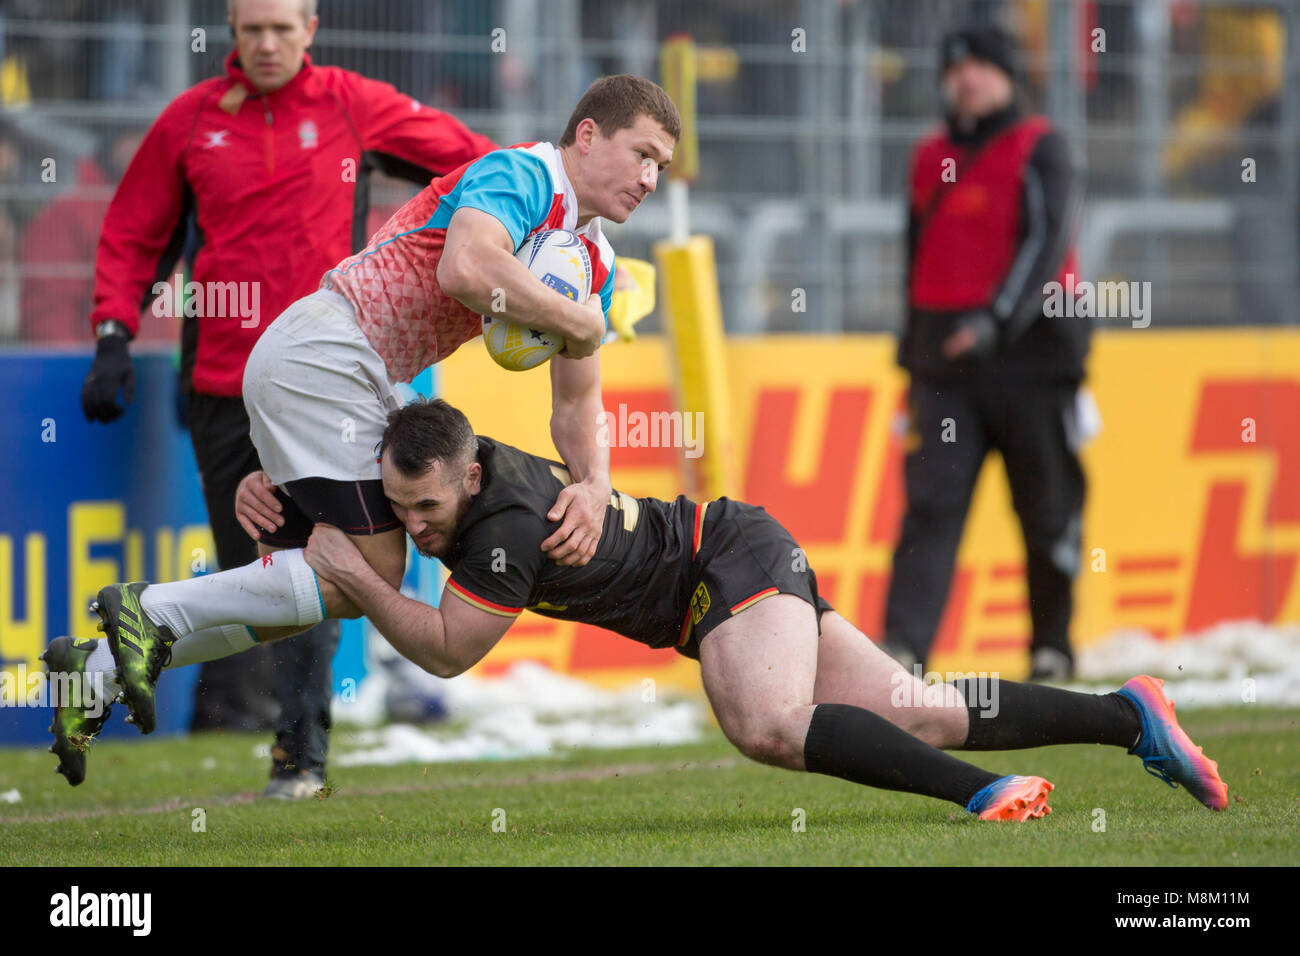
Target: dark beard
(425, 554)
(451, 545)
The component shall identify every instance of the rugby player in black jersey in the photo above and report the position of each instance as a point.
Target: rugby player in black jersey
(792, 683)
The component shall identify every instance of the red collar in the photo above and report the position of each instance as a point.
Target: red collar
(236, 72)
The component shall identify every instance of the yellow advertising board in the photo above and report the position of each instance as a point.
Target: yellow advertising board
(1192, 518)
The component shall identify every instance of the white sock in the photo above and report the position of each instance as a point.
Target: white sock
(100, 666)
(210, 644)
(279, 590)
(206, 645)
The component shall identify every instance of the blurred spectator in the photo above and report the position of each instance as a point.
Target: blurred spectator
(9, 228)
(15, 87)
(993, 206)
(119, 67)
(58, 253)
(54, 60)
(1234, 119)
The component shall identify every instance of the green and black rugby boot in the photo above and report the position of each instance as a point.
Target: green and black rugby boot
(77, 717)
(140, 648)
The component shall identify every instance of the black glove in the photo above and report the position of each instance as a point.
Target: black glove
(985, 328)
(111, 370)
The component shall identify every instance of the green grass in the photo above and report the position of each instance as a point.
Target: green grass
(697, 804)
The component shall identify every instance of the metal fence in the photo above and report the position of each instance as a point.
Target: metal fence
(808, 112)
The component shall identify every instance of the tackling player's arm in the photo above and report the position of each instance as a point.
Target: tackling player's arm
(445, 641)
(478, 267)
(576, 409)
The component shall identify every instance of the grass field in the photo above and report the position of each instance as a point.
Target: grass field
(694, 804)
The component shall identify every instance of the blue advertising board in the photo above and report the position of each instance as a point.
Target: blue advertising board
(85, 505)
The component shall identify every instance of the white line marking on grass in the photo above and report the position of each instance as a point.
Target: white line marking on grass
(541, 777)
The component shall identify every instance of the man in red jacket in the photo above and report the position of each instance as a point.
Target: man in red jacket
(271, 162)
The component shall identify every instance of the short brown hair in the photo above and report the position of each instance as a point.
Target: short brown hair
(615, 102)
(425, 431)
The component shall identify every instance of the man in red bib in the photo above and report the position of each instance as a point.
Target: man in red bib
(993, 205)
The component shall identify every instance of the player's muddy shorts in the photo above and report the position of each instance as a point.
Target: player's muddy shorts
(318, 398)
(745, 556)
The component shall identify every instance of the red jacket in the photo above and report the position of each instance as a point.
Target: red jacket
(272, 182)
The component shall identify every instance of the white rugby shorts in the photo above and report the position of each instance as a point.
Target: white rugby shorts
(317, 394)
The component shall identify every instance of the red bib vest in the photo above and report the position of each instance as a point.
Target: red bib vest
(969, 228)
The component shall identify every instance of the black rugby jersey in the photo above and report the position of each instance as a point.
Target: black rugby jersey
(636, 584)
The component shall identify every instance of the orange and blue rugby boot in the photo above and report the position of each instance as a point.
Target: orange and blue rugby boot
(1166, 750)
(1012, 798)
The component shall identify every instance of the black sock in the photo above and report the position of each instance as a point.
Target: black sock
(1005, 715)
(855, 744)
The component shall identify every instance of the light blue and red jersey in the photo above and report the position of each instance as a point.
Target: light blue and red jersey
(393, 285)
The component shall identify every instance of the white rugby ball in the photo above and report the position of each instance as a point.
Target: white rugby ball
(560, 260)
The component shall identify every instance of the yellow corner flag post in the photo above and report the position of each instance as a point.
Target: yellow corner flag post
(692, 304)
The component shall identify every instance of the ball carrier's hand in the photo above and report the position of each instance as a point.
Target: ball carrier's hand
(110, 372)
(593, 333)
(582, 508)
(478, 268)
(256, 507)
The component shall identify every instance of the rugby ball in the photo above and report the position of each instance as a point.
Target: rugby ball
(560, 260)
